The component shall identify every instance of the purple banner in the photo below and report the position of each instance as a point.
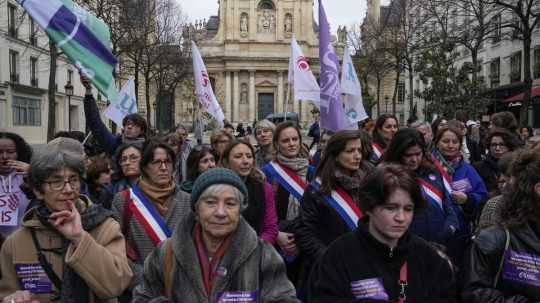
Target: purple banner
(522, 268)
(369, 289)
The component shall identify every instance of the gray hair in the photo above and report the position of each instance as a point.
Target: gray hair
(47, 162)
(265, 123)
(66, 144)
(419, 123)
(217, 189)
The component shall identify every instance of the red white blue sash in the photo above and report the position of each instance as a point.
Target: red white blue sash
(288, 178)
(343, 204)
(377, 151)
(447, 179)
(433, 194)
(147, 215)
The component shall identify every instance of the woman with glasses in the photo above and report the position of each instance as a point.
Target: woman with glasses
(127, 160)
(67, 249)
(499, 143)
(151, 208)
(200, 159)
(239, 156)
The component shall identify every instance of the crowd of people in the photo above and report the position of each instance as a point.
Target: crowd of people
(447, 211)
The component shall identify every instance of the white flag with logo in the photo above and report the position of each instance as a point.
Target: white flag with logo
(350, 87)
(203, 88)
(301, 77)
(126, 103)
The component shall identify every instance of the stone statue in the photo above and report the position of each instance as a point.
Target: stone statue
(288, 23)
(267, 22)
(244, 23)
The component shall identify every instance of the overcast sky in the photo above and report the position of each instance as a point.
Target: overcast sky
(339, 12)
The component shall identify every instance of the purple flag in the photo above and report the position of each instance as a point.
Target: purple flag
(332, 114)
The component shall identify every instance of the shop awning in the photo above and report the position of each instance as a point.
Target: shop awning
(535, 92)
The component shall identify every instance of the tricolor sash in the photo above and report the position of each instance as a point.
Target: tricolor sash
(148, 216)
(378, 152)
(288, 178)
(343, 204)
(447, 179)
(431, 193)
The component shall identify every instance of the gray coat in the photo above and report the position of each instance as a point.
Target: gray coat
(178, 208)
(246, 258)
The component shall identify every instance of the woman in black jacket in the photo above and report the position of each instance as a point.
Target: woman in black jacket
(322, 219)
(503, 263)
(381, 261)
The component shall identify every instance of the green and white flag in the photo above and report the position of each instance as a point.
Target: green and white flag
(83, 38)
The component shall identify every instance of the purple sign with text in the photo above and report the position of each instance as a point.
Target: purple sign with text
(237, 296)
(522, 268)
(369, 289)
(32, 277)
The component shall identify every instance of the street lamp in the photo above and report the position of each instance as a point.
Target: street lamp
(69, 92)
(386, 100)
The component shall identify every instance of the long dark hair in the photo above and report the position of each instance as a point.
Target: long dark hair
(377, 137)
(24, 151)
(403, 140)
(195, 156)
(520, 202)
(336, 144)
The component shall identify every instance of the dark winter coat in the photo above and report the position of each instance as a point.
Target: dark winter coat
(246, 259)
(488, 171)
(357, 259)
(519, 280)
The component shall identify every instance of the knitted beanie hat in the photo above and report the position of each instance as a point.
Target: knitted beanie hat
(215, 176)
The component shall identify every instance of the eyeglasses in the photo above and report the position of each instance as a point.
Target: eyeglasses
(131, 158)
(58, 185)
(159, 163)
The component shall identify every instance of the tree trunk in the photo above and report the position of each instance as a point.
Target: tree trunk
(378, 95)
(51, 119)
(474, 93)
(524, 112)
(394, 97)
(147, 97)
(411, 90)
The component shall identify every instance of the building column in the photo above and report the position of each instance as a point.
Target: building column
(280, 91)
(236, 98)
(252, 102)
(228, 96)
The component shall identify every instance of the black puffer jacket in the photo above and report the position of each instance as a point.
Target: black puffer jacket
(357, 260)
(488, 171)
(519, 280)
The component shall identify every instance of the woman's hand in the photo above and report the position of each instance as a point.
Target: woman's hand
(20, 296)
(287, 242)
(459, 197)
(68, 223)
(19, 166)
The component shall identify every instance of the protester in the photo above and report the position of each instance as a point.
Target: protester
(174, 140)
(154, 198)
(425, 129)
(264, 131)
(207, 262)
(200, 160)
(499, 142)
(502, 263)
(134, 125)
(470, 150)
(385, 128)
(98, 177)
(437, 222)
(467, 188)
(382, 261)
(15, 154)
(314, 132)
(185, 149)
(525, 132)
(229, 129)
(287, 174)
(325, 136)
(438, 124)
(367, 125)
(128, 157)
(68, 249)
(260, 213)
(240, 131)
(323, 215)
(219, 141)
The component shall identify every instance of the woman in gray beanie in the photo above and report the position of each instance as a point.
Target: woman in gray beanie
(213, 254)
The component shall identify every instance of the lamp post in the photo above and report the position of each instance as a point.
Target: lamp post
(69, 92)
(386, 100)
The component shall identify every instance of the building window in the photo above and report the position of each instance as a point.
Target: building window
(516, 28)
(266, 4)
(494, 72)
(26, 111)
(33, 71)
(33, 33)
(497, 29)
(536, 69)
(515, 67)
(401, 92)
(12, 20)
(69, 76)
(14, 66)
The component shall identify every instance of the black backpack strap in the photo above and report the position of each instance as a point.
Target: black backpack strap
(44, 263)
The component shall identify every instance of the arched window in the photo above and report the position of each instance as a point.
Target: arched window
(266, 4)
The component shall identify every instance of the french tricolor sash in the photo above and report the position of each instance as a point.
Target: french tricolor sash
(447, 179)
(431, 193)
(288, 178)
(148, 216)
(343, 204)
(377, 151)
